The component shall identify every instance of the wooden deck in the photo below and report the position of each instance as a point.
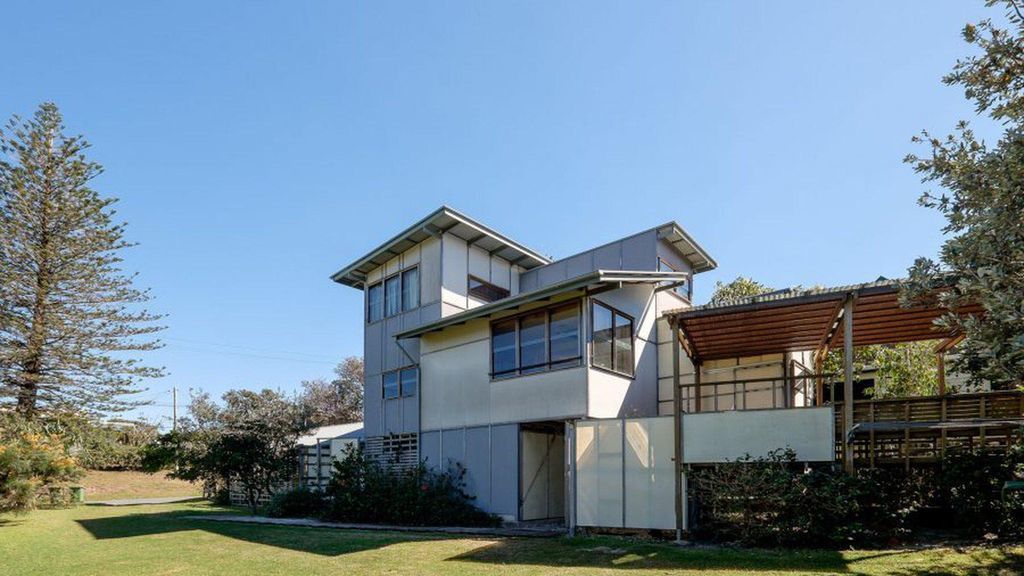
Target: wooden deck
(918, 431)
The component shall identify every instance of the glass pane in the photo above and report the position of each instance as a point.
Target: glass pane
(533, 345)
(390, 384)
(602, 330)
(503, 347)
(410, 381)
(565, 334)
(411, 289)
(392, 295)
(375, 302)
(623, 344)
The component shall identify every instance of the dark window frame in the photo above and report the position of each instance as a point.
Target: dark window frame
(547, 365)
(382, 283)
(689, 279)
(615, 312)
(398, 382)
(503, 292)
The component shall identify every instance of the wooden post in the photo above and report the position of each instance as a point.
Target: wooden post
(697, 406)
(940, 360)
(848, 384)
(677, 423)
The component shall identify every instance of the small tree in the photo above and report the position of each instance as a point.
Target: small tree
(739, 288)
(336, 402)
(68, 314)
(983, 203)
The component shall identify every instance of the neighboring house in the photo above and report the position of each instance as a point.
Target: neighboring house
(316, 452)
(320, 447)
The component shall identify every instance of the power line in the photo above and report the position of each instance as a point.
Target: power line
(251, 355)
(248, 348)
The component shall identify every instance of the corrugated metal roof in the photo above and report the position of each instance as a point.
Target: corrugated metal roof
(788, 294)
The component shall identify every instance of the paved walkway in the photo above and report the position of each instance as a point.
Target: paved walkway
(527, 531)
(142, 501)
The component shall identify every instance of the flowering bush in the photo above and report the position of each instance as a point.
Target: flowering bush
(31, 461)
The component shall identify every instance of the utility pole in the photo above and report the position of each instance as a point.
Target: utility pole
(174, 409)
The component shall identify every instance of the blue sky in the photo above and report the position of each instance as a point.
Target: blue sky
(258, 147)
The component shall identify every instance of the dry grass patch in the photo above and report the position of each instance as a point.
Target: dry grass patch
(117, 485)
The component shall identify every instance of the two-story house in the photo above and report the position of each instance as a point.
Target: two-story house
(479, 350)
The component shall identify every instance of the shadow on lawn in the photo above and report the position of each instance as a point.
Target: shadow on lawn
(326, 542)
(597, 552)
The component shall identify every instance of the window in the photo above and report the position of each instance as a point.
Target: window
(398, 293)
(485, 291)
(410, 289)
(391, 389)
(375, 303)
(611, 339)
(565, 335)
(503, 348)
(685, 289)
(401, 383)
(536, 341)
(533, 342)
(410, 380)
(392, 295)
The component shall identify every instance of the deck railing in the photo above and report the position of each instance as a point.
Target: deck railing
(922, 429)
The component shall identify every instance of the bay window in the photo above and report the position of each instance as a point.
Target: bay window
(611, 339)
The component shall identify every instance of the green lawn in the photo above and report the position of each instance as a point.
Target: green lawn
(158, 540)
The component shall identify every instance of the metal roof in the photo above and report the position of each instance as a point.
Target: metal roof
(806, 319)
(352, 430)
(442, 220)
(698, 258)
(596, 278)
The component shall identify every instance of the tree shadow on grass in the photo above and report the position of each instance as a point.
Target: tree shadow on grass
(322, 541)
(611, 553)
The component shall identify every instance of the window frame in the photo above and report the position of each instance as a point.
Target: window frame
(369, 311)
(547, 365)
(689, 279)
(615, 312)
(398, 382)
(470, 278)
(383, 284)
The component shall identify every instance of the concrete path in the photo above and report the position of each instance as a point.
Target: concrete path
(527, 531)
(142, 501)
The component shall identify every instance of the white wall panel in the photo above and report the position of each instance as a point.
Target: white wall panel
(724, 436)
(650, 490)
(599, 473)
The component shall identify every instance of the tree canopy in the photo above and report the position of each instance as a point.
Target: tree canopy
(982, 199)
(338, 401)
(739, 288)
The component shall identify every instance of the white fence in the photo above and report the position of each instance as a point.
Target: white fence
(624, 471)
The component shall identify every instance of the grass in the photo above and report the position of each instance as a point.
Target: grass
(159, 540)
(117, 485)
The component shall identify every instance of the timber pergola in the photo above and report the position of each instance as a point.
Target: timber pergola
(817, 320)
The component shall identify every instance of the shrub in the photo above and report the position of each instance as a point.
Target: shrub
(298, 502)
(362, 490)
(969, 486)
(30, 463)
(776, 501)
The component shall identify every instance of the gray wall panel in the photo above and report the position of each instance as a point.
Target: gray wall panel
(430, 448)
(478, 465)
(505, 469)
